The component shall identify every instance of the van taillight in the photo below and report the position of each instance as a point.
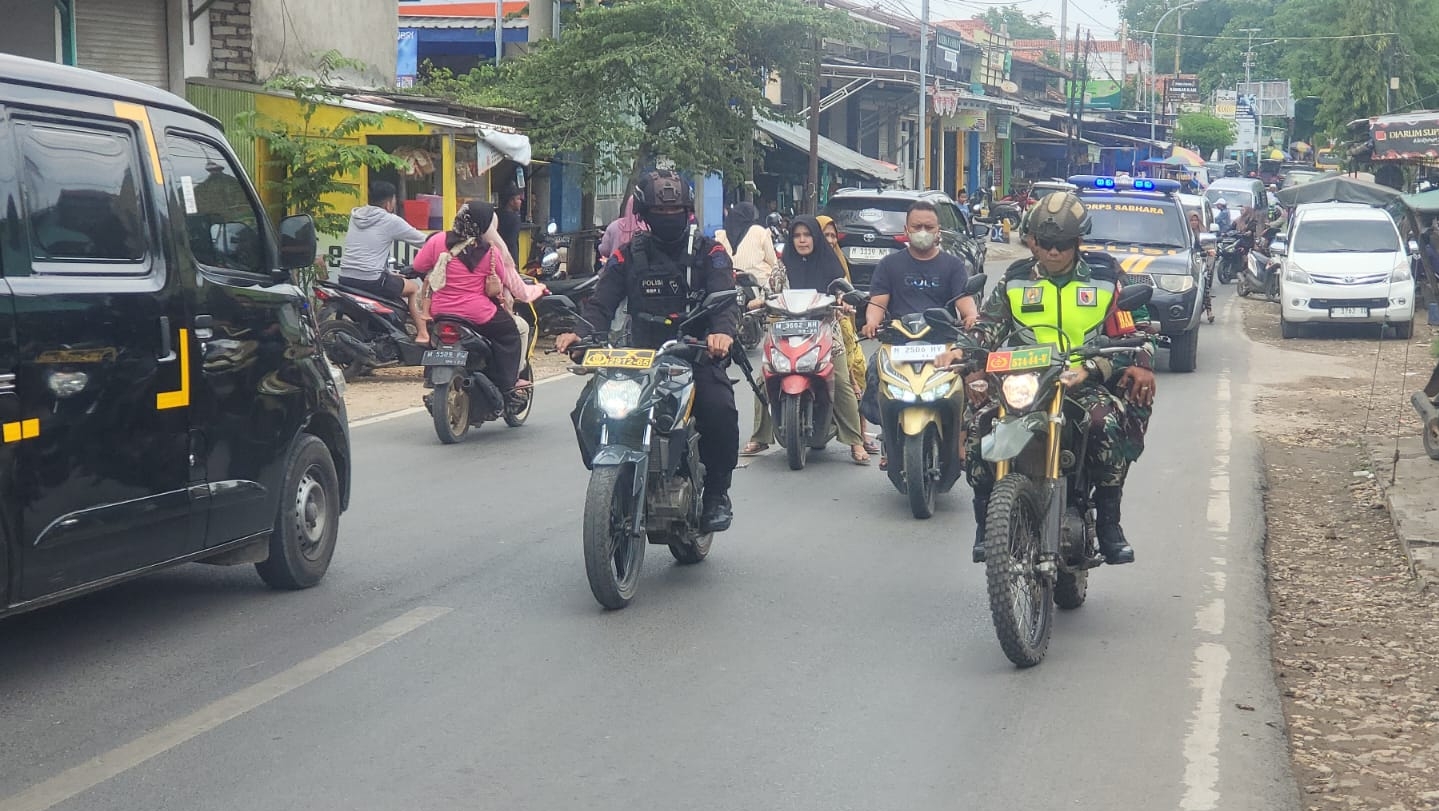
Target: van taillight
(449, 334)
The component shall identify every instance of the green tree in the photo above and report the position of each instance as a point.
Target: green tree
(1204, 132)
(1019, 24)
(312, 160)
(683, 79)
(1360, 89)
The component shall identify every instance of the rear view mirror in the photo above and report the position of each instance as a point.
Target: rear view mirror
(940, 317)
(718, 299)
(979, 230)
(1133, 296)
(1278, 248)
(839, 287)
(975, 285)
(298, 245)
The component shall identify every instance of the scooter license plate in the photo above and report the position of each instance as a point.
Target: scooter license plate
(1348, 312)
(619, 358)
(868, 253)
(444, 357)
(916, 353)
(792, 329)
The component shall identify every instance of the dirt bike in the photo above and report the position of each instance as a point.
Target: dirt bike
(1039, 533)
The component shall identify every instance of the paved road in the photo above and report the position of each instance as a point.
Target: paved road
(833, 652)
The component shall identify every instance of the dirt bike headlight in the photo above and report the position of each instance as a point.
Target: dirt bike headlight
(1020, 390)
(619, 398)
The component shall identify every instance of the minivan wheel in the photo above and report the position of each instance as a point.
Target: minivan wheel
(303, 540)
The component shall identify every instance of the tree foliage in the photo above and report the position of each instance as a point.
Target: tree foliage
(1019, 24)
(634, 80)
(310, 160)
(1204, 132)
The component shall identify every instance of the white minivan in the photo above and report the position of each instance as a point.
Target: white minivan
(1344, 263)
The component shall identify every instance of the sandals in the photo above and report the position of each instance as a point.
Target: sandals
(871, 447)
(884, 463)
(754, 449)
(856, 457)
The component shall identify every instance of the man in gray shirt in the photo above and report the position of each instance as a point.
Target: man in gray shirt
(374, 229)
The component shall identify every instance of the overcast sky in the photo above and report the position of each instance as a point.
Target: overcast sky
(1099, 15)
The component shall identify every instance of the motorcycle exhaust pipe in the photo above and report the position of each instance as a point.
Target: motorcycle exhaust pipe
(361, 350)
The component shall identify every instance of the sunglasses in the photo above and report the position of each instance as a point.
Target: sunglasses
(1065, 245)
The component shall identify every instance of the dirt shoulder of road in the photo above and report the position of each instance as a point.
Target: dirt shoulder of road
(1356, 635)
(390, 390)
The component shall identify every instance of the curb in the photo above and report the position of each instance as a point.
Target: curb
(1410, 501)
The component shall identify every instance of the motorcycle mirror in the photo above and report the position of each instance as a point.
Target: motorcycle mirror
(1278, 248)
(940, 317)
(718, 299)
(1413, 246)
(855, 298)
(1134, 296)
(551, 258)
(975, 286)
(839, 287)
(552, 229)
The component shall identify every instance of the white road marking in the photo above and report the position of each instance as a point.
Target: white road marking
(405, 412)
(87, 775)
(1211, 658)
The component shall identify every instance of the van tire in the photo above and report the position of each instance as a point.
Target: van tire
(1184, 351)
(308, 520)
(1403, 329)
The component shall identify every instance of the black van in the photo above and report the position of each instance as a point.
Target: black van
(162, 396)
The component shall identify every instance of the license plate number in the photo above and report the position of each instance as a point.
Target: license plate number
(1036, 357)
(1348, 312)
(916, 353)
(444, 357)
(619, 358)
(790, 329)
(868, 253)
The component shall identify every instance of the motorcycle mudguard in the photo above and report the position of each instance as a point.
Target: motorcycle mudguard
(912, 421)
(794, 384)
(439, 376)
(1010, 435)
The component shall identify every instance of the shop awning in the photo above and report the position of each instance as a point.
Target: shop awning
(1133, 139)
(832, 152)
(1049, 134)
(496, 142)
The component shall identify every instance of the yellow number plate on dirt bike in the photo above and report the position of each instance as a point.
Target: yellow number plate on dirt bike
(619, 358)
(1018, 360)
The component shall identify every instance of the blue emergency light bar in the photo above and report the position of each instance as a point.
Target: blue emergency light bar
(1107, 183)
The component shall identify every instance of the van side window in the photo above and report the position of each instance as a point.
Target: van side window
(82, 187)
(221, 223)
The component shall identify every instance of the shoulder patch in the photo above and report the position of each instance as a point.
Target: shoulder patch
(720, 259)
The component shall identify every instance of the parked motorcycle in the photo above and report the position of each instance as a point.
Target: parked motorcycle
(752, 318)
(463, 394)
(799, 369)
(361, 331)
(1426, 402)
(1234, 249)
(544, 261)
(1040, 533)
(1259, 274)
(921, 406)
(636, 430)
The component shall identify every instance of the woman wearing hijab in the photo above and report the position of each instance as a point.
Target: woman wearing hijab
(748, 243)
(467, 258)
(858, 367)
(811, 265)
(621, 231)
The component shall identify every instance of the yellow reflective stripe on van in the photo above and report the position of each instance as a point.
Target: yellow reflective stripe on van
(25, 429)
(141, 116)
(181, 396)
(1136, 264)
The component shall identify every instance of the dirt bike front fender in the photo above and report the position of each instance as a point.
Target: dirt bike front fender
(1010, 436)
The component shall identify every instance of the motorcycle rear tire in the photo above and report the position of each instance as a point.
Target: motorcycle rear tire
(1241, 287)
(1431, 439)
(796, 446)
(692, 547)
(339, 354)
(1012, 530)
(1070, 589)
(613, 556)
(921, 454)
(450, 409)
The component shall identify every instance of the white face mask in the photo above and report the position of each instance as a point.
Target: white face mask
(923, 240)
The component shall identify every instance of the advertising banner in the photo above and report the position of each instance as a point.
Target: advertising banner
(1405, 137)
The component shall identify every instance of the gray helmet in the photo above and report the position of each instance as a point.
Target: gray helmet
(1058, 217)
(662, 187)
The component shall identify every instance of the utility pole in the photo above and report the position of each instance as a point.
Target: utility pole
(811, 205)
(1063, 26)
(921, 180)
(499, 31)
(1178, 40)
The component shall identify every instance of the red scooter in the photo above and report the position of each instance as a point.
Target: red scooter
(798, 354)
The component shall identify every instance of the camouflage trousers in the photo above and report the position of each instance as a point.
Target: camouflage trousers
(1116, 437)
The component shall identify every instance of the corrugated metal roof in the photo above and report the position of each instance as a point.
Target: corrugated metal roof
(473, 23)
(832, 152)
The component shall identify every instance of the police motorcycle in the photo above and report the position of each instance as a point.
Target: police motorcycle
(463, 395)
(361, 331)
(921, 405)
(1040, 532)
(636, 431)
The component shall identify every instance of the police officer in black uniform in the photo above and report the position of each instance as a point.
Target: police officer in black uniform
(662, 274)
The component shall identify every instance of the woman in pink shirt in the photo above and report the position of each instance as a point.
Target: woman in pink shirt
(474, 252)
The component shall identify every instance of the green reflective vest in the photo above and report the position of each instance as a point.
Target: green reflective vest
(1063, 316)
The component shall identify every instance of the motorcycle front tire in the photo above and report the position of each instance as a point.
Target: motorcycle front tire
(1013, 530)
(613, 554)
(796, 445)
(921, 454)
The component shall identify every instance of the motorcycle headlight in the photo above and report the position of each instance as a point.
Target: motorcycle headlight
(808, 361)
(938, 392)
(619, 398)
(902, 395)
(1293, 273)
(1020, 390)
(1173, 283)
(779, 362)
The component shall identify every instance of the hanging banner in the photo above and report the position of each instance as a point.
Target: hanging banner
(1405, 137)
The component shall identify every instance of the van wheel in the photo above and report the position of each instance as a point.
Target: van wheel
(1403, 329)
(303, 540)
(1287, 329)
(1184, 351)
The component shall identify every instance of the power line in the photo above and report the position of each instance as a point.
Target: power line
(1277, 40)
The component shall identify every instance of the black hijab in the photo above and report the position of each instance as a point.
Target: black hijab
(816, 271)
(741, 217)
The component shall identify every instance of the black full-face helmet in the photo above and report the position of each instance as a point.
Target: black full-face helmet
(662, 187)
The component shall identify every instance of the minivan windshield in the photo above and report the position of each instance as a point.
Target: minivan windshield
(1137, 221)
(1234, 198)
(1345, 236)
(880, 215)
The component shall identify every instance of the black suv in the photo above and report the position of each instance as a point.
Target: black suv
(869, 220)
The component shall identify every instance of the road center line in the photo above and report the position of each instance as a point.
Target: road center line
(93, 772)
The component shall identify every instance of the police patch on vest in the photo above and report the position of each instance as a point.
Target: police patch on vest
(1033, 300)
(1087, 297)
(654, 287)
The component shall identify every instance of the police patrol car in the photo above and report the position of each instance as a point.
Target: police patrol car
(1141, 223)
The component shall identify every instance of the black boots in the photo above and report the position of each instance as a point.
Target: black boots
(718, 512)
(1112, 545)
(981, 510)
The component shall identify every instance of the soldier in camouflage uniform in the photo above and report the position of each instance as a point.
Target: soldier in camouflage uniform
(1118, 395)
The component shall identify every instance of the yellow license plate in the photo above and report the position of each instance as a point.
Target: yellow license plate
(619, 358)
(1034, 357)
